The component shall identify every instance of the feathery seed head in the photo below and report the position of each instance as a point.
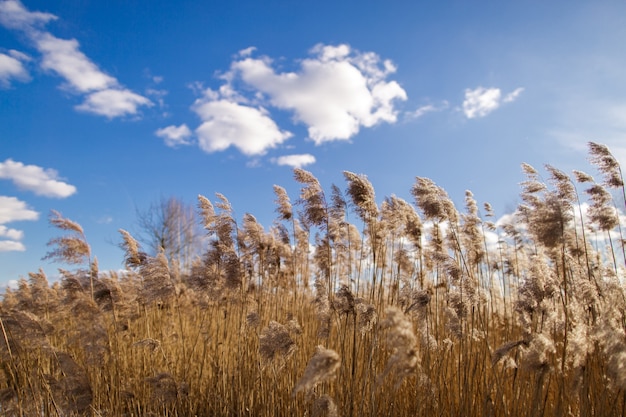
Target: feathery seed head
(582, 177)
(61, 223)
(537, 355)
(133, 256)
(344, 301)
(366, 316)
(206, 211)
(324, 406)
(404, 359)
(275, 343)
(321, 367)
(361, 192)
(283, 202)
(601, 156)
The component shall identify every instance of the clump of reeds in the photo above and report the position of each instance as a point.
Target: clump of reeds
(418, 310)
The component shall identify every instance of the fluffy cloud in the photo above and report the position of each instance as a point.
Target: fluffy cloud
(41, 181)
(105, 95)
(12, 209)
(11, 68)
(64, 57)
(11, 246)
(333, 93)
(296, 161)
(113, 103)
(482, 101)
(175, 135)
(11, 233)
(33, 178)
(227, 123)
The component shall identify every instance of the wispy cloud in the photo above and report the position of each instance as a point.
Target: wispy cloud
(295, 161)
(105, 96)
(512, 96)
(481, 101)
(424, 110)
(33, 178)
(175, 136)
(106, 219)
(11, 68)
(581, 120)
(13, 15)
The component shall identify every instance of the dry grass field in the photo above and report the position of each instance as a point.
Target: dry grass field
(343, 307)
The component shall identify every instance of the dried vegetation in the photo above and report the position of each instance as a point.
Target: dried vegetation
(414, 310)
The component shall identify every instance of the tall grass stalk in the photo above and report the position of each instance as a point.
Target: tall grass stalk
(426, 311)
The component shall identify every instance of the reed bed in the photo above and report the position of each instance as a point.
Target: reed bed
(343, 307)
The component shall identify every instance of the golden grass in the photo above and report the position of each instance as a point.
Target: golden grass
(419, 313)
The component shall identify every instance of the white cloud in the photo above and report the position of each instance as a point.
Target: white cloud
(13, 15)
(106, 219)
(113, 103)
(11, 69)
(423, 110)
(20, 55)
(64, 57)
(227, 123)
(11, 233)
(175, 135)
(13, 284)
(482, 101)
(246, 52)
(33, 178)
(296, 161)
(106, 97)
(334, 93)
(11, 246)
(12, 209)
(512, 96)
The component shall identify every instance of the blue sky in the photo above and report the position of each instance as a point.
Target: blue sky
(107, 106)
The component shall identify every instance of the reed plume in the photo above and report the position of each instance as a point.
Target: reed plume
(530, 325)
(324, 406)
(361, 192)
(312, 199)
(320, 368)
(71, 249)
(157, 282)
(133, 256)
(283, 203)
(603, 159)
(275, 343)
(404, 359)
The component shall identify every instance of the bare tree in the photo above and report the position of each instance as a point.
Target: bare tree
(170, 226)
